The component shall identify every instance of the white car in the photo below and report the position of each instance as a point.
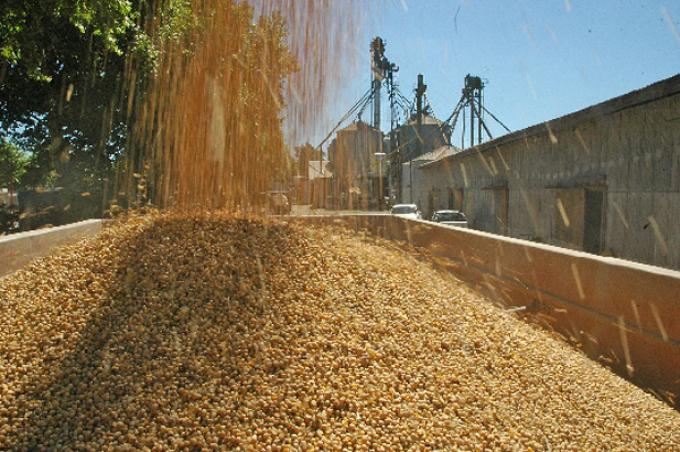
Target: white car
(406, 211)
(451, 217)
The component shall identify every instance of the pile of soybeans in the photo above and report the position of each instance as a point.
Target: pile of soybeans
(206, 331)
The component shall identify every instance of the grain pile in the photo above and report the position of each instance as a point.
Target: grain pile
(185, 332)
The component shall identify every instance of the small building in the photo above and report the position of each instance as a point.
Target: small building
(415, 187)
(318, 178)
(410, 142)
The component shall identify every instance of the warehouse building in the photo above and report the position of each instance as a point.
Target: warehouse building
(605, 179)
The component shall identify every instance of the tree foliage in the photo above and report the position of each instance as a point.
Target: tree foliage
(61, 64)
(28, 31)
(12, 165)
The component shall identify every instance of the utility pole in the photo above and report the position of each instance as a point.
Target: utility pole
(420, 92)
(378, 66)
(479, 117)
(472, 117)
(472, 96)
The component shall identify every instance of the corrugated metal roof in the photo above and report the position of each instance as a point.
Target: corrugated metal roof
(439, 153)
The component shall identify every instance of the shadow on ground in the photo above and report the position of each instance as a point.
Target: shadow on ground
(177, 289)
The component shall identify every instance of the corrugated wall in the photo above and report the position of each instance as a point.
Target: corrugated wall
(632, 155)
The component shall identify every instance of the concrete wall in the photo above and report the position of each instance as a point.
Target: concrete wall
(415, 184)
(17, 250)
(627, 148)
(622, 313)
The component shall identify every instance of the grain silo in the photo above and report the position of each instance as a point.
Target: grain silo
(355, 166)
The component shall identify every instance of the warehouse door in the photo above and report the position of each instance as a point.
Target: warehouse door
(594, 221)
(500, 199)
(455, 199)
(569, 217)
(458, 199)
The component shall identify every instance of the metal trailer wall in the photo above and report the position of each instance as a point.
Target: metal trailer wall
(17, 250)
(542, 183)
(415, 185)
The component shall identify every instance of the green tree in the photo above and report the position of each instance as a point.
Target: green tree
(71, 72)
(12, 167)
(61, 97)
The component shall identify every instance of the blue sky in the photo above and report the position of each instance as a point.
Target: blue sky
(541, 58)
